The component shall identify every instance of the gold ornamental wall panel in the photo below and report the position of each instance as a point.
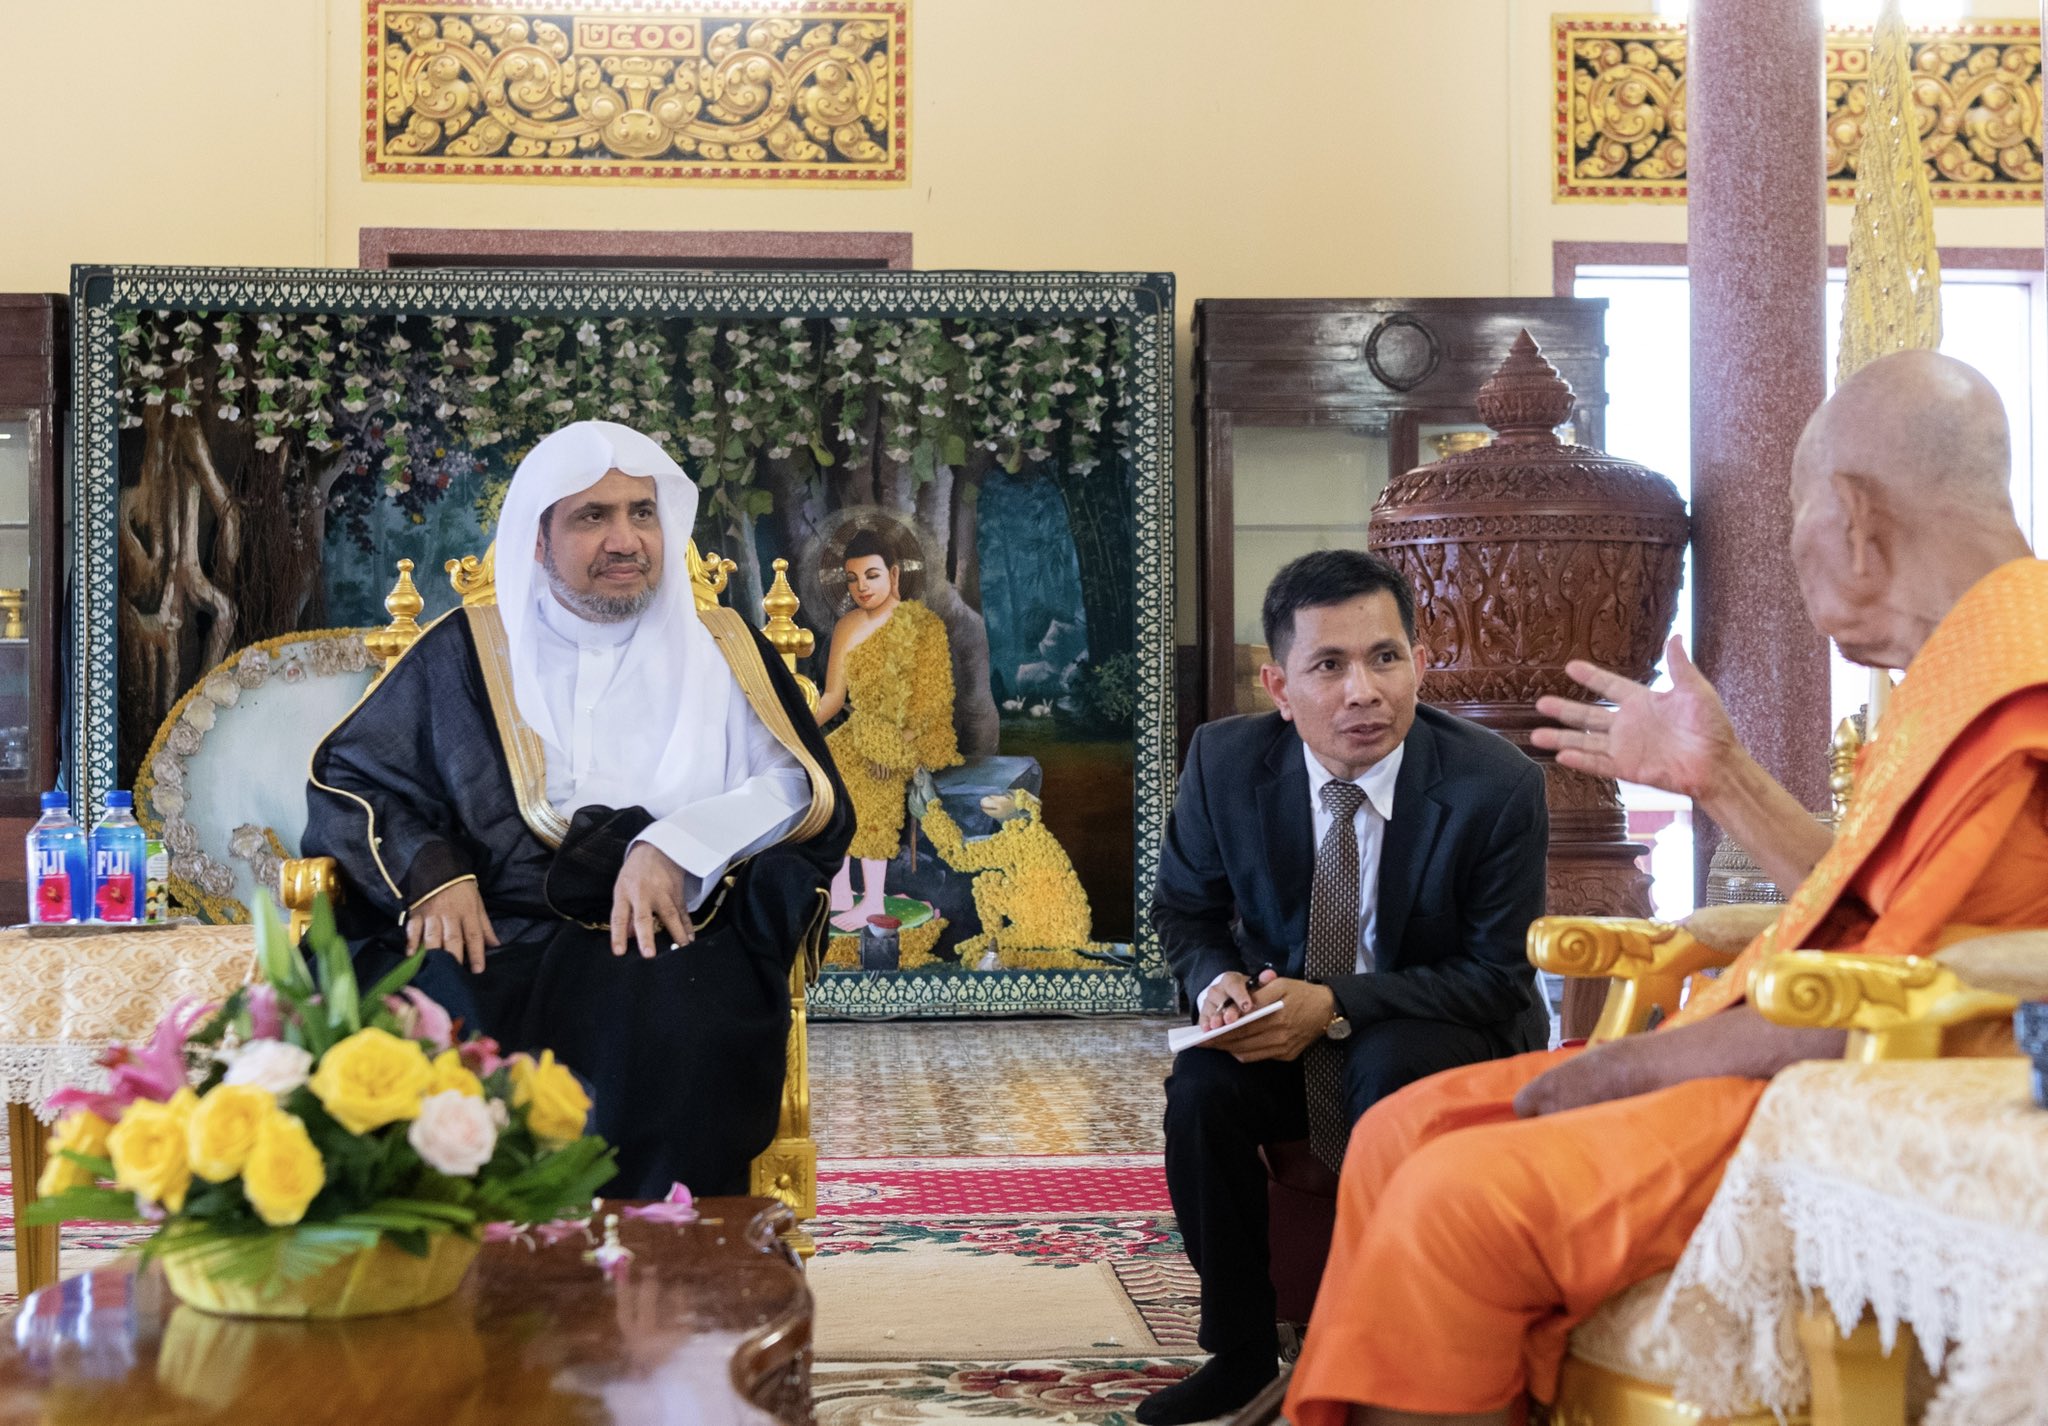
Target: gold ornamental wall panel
(1620, 109)
(776, 92)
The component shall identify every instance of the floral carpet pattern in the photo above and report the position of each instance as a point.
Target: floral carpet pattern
(1059, 1210)
(1100, 1392)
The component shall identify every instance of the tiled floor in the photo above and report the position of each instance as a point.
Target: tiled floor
(988, 1087)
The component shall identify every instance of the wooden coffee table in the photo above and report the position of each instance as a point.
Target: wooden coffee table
(710, 1324)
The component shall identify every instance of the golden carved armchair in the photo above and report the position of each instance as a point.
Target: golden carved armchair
(788, 1168)
(1893, 1008)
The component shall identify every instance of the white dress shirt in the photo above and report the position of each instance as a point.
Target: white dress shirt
(577, 660)
(1370, 823)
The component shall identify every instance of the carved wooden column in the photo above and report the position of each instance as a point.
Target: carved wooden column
(1524, 554)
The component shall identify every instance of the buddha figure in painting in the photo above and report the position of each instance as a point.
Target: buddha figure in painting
(890, 669)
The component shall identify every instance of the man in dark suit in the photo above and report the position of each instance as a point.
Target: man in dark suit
(1371, 864)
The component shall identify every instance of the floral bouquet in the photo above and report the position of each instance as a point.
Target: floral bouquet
(342, 1152)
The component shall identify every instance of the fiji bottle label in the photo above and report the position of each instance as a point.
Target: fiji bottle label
(53, 886)
(113, 881)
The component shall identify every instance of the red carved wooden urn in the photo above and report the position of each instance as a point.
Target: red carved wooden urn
(1526, 553)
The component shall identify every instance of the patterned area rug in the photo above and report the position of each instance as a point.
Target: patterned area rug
(1052, 1210)
(1059, 1220)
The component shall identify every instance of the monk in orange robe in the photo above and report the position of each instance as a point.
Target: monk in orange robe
(1486, 1211)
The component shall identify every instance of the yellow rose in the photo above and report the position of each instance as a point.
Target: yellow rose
(371, 1079)
(223, 1128)
(555, 1104)
(82, 1132)
(148, 1150)
(451, 1073)
(284, 1172)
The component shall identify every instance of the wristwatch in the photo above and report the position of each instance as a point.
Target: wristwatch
(1339, 1028)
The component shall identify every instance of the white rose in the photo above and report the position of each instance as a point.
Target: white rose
(271, 1065)
(454, 1133)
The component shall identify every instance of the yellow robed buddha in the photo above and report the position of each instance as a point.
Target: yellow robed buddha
(891, 668)
(1485, 1212)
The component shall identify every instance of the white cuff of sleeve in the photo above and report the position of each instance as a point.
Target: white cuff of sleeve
(1211, 986)
(681, 848)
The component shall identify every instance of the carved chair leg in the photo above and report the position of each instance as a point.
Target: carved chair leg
(788, 1169)
(1583, 1000)
(35, 1248)
(1855, 1383)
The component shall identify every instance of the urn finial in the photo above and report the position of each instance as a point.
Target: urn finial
(1526, 400)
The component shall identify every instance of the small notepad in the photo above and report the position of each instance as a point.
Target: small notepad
(1184, 1037)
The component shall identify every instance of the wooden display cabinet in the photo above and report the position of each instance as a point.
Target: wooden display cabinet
(34, 371)
(1306, 407)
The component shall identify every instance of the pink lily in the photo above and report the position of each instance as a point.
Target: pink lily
(154, 1072)
(480, 1056)
(421, 1018)
(266, 1020)
(678, 1207)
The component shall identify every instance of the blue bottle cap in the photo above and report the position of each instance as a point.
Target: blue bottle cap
(120, 799)
(56, 802)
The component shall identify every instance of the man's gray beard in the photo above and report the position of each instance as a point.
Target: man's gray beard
(597, 608)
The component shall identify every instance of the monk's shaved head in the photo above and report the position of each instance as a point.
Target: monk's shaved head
(1901, 498)
(1924, 426)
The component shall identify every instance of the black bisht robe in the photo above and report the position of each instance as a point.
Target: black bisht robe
(433, 777)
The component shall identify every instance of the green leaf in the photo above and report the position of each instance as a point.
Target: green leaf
(395, 979)
(953, 451)
(92, 1205)
(279, 959)
(760, 502)
(822, 456)
(337, 971)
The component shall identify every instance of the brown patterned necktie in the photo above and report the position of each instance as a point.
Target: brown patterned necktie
(1332, 951)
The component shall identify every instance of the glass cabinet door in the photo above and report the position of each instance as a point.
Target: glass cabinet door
(19, 480)
(1295, 489)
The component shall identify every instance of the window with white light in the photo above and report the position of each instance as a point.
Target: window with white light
(1991, 320)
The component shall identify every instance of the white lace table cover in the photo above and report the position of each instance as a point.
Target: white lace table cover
(1913, 1189)
(65, 999)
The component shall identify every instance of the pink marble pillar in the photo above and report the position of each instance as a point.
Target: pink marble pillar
(1757, 249)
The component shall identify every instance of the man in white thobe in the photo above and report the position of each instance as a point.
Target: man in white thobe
(603, 815)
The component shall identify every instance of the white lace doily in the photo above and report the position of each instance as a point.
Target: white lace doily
(1912, 1190)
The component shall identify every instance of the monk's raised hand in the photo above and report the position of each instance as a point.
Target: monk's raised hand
(649, 894)
(453, 919)
(1677, 738)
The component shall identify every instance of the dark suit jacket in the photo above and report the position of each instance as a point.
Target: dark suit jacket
(1461, 874)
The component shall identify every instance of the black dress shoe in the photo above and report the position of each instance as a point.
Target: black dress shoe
(1222, 1384)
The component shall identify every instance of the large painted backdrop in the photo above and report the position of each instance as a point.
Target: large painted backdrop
(259, 448)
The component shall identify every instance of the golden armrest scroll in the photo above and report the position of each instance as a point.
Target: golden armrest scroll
(1894, 1007)
(1648, 961)
(301, 880)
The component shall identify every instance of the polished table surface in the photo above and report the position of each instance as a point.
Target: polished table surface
(709, 1324)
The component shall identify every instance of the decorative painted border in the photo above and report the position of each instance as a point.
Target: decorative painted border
(1143, 300)
(1655, 105)
(379, 44)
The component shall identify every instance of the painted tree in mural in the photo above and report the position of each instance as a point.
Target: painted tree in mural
(255, 433)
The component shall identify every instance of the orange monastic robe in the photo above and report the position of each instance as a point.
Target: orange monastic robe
(1469, 1242)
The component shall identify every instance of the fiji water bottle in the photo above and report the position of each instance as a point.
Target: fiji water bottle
(57, 878)
(117, 856)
